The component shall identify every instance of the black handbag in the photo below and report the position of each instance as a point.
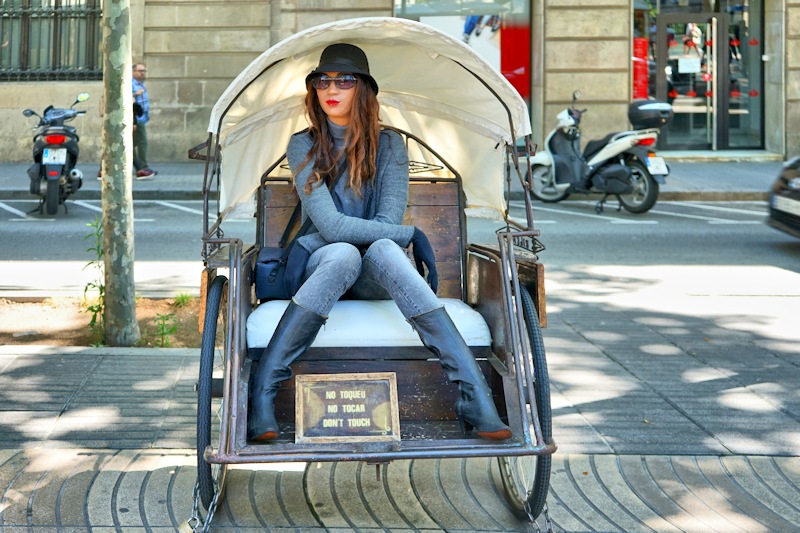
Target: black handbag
(280, 269)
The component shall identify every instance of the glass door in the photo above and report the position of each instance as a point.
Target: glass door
(689, 71)
(709, 66)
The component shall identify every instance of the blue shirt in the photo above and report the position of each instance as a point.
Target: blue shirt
(143, 100)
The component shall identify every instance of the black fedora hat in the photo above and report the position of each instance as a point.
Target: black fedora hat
(344, 57)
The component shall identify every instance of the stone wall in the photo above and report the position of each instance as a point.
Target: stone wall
(587, 46)
(791, 81)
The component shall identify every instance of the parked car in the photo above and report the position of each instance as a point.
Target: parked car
(784, 199)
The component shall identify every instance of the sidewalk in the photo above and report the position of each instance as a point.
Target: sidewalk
(702, 176)
(666, 421)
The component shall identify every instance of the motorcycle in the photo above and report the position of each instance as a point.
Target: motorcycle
(621, 164)
(55, 153)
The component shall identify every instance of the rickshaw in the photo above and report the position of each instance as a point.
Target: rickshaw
(467, 131)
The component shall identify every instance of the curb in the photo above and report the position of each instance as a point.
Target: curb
(48, 349)
(714, 196)
(680, 196)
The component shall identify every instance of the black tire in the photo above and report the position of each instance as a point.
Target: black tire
(645, 189)
(212, 366)
(540, 176)
(526, 479)
(51, 197)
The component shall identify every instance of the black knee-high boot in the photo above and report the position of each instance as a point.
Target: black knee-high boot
(475, 407)
(295, 332)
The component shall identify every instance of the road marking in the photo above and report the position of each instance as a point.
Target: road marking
(12, 210)
(722, 209)
(91, 207)
(523, 221)
(179, 207)
(87, 205)
(737, 222)
(598, 217)
(710, 220)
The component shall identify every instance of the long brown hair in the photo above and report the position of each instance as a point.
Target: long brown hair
(361, 142)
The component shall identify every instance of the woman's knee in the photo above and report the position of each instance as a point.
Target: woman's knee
(384, 249)
(343, 256)
(334, 266)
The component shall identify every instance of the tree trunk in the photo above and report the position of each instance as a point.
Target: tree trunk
(119, 317)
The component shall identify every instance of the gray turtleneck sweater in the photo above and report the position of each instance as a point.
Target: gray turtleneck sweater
(378, 214)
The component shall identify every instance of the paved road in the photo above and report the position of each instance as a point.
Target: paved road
(168, 232)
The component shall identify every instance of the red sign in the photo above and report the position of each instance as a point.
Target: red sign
(515, 59)
(640, 69)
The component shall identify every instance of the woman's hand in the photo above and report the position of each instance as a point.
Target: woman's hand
(423, 255)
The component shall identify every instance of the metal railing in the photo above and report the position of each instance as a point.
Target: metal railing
(50, 40)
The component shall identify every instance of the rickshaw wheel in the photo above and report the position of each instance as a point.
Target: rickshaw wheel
(211, 477)
(526, 479)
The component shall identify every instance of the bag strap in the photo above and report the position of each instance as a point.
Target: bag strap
(289, 226)
(307, 224)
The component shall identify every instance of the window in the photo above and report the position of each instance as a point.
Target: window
(50, 40)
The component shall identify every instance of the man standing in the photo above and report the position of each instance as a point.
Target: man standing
(143, 171)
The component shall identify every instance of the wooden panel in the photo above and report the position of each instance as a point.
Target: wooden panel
(487, 298)
(433, 206)
(531, 275)
(371, 353)
(424, 392)
(205, 280)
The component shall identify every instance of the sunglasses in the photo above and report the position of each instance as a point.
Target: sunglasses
(345, 81)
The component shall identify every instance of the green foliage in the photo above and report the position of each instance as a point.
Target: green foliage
(182, 300)
(165, 327)
(94, 293)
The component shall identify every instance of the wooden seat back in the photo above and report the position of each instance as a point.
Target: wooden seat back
(434, 205)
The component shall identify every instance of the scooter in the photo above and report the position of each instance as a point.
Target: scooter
(621, 164)
(55, 153)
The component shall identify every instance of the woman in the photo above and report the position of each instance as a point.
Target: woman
(356, 241)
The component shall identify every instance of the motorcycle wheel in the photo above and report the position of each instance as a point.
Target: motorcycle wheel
(645, 189)
(540, 178)
(51, 197)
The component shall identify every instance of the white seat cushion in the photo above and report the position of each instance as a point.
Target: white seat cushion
(366, 323)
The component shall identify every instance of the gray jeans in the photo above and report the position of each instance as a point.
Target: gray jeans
(384, 272)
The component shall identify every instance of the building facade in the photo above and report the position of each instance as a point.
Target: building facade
(731, 68)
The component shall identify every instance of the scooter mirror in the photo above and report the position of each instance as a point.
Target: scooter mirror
(82, 97)
(28, 112)
(575, 95)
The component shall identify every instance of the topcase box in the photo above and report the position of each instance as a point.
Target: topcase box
(644, 114)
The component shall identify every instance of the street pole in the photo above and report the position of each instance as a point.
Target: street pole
(119, 316)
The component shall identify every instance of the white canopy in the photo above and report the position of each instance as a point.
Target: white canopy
(431, 85)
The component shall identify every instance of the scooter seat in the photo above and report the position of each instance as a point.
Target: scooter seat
(595, 146)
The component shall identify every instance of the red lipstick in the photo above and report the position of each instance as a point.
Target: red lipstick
(332, 103)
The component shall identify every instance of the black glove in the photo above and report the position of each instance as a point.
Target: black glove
(423, 255)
